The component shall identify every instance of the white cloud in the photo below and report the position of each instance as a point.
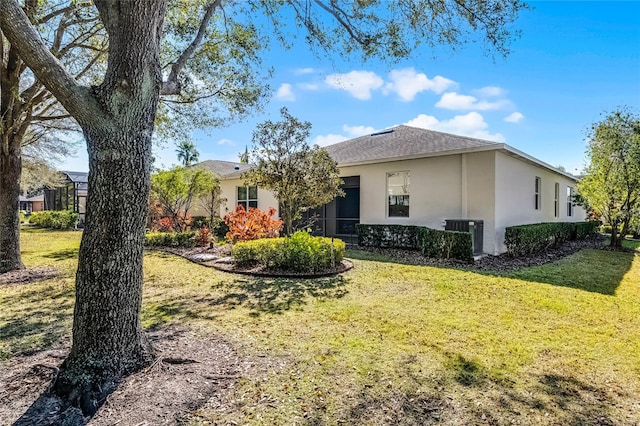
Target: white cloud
(330, 139)
(407, 83)
(285, 93)
(490, 92)
(514, 117)
(308, 86)
(304, 71)
(225, 141)
(359, 84)
(355, 131)
(471, 124)
(457, 102)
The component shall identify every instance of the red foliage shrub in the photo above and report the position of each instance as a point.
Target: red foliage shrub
(252, 224)
(204, 236)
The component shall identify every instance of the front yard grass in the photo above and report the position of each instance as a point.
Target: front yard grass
(386, 343)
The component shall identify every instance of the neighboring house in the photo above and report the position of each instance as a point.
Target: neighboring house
(71, 195)
(413, 176)
(24, 205)
(37, 203)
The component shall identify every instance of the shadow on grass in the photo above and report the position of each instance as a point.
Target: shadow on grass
(596, 271)
(36, 320)
(276, 295)
(259, 295)
(65, 254)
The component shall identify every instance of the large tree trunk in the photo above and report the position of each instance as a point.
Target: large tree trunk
(108, 341)
(10, 170)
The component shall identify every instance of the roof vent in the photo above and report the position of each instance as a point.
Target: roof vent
(383, 132)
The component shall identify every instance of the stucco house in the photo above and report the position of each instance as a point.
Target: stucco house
(413, 176)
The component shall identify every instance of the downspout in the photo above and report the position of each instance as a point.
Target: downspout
(463, 187)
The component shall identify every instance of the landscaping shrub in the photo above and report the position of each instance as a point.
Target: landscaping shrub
(446, 244)
(432, 242)
(54, 219)
(170, 239)
(203, 237)
(300, 252)
(526, 239)
(252, 224)
(389, 236)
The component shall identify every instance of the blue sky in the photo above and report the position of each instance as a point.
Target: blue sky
(574, 61)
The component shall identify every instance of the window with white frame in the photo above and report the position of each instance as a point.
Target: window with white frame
(556, 201)
(247, 196)
(569, 201)
(398, 194)
(537, 193)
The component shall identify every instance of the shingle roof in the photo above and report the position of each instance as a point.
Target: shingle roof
(78, 177)
(400, 142)
(223, 169)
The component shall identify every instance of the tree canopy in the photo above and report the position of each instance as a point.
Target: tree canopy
(611, 187)
(301, 177)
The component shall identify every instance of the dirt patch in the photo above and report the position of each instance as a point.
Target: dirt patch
(28, 275)
(499, 263)
(189, 372)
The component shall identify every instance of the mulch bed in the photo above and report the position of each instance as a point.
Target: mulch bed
(190, 372)
(28, 275)
(501, 263)
(218, 257)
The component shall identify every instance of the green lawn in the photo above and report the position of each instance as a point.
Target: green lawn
(386, 343)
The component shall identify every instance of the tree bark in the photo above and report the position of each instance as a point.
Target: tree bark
(10, 171)
(108, 340)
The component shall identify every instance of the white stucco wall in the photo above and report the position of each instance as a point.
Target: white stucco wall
(228, 190)
(480, 193)
(435, 190)
(515, 201)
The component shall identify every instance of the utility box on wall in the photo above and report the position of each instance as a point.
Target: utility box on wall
(474, 226)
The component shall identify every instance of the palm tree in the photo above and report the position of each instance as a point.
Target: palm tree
(187, 153)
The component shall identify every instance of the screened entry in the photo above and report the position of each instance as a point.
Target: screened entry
(339, 217)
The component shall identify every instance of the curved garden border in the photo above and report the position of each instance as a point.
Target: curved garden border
(225, 264)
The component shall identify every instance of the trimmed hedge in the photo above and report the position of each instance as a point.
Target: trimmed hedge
(446, 244)
(54, 219)
(300, 252)
(170, 239)
(389, 236)
(526, 239)
(432, 242)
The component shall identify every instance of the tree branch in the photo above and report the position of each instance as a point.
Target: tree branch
(172, 86)
(23, 36)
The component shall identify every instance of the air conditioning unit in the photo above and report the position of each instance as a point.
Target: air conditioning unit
(474, 226)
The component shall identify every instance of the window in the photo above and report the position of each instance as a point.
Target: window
(569, 201)
(398, 193)
(538, 188)
(556, 201)
(247, 196)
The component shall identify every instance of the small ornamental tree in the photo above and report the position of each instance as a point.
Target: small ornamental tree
(173, 193)
(252, 224)
(612, 185)
(301, 177)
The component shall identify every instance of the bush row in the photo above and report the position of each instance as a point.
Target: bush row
(432, 242)
(170, 239)
(300, 252)
(446, 244)
(54, 219)
(526, 239)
